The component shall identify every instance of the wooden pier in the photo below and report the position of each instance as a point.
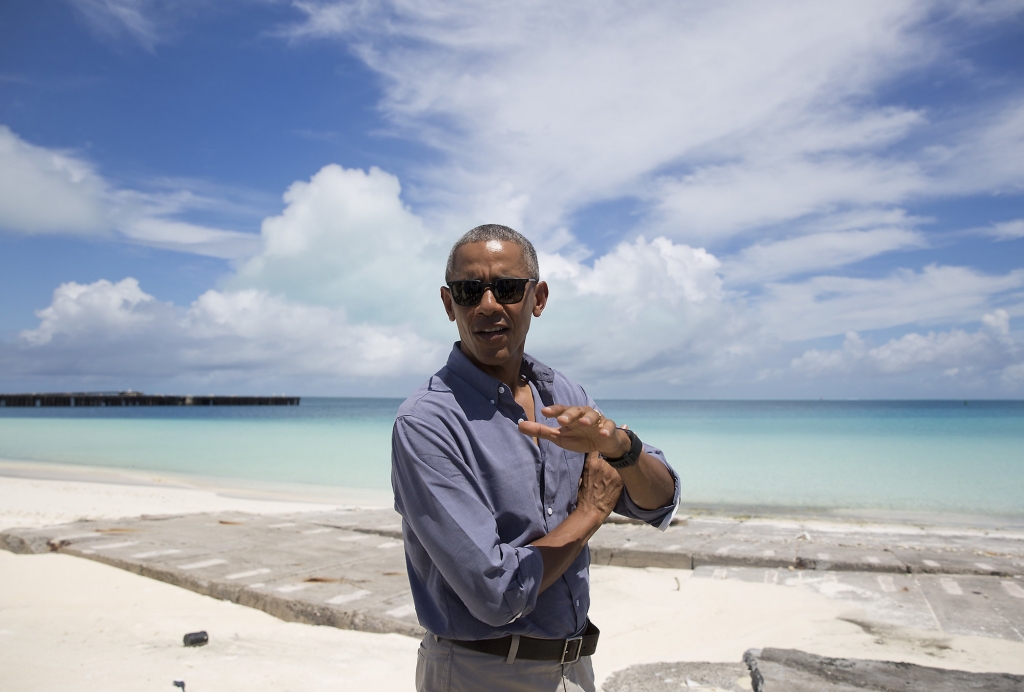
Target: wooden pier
(130, 398)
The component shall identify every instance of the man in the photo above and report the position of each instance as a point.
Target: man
(503, 470)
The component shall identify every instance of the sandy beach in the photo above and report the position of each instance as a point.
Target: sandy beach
(70, 623)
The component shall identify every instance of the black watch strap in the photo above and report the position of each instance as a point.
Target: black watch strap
(629, 458)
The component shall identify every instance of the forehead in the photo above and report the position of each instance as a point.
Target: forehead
(492, 258)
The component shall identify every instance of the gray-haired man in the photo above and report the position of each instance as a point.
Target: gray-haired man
(503, 469)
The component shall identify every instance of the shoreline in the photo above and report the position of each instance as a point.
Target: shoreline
(373, 498)
(53, 601)
(238, 488)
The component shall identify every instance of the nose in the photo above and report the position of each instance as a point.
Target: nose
(488, 304)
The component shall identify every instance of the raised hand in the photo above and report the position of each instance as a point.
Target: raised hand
(581, 429)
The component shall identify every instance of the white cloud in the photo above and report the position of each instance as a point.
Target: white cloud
(115, 329)
(816, 252)
(100, 310)
(344, 285)
(646, 312)
(111, 19)
(1013, 375)
(828, 305)
(345, 238)
(987, 158)
(702, 112)
(254, 330)
(49, 191)
(186, 237)
(955, 352)
(1005, 230)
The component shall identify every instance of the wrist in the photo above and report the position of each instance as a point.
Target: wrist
(591, 514)
(630, 456)
(623, 443)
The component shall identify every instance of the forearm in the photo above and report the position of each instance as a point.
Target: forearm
(648, 482)
(560, 547)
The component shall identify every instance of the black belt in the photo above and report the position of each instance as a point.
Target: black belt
(534, 649)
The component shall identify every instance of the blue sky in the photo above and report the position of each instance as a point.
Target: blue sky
(736, 199)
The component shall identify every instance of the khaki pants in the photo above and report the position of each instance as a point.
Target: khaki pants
(443, 667)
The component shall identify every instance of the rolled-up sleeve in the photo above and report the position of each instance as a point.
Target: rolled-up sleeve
(661, 517)
(446, 514)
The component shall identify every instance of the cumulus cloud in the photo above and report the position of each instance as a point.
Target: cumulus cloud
(344, 284)
(106, 329)
(646, 312)
(49, 191)
(956, 353)
(96, 311)
(345, 238)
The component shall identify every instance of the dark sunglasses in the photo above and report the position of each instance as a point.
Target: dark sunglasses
(505, 291)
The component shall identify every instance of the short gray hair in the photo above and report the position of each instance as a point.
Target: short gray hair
(493, 231)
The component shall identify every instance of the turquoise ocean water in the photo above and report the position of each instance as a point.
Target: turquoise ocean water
(916, 456)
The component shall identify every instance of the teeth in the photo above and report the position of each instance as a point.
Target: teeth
(491, 330)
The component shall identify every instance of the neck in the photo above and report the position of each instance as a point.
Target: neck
(507, 372)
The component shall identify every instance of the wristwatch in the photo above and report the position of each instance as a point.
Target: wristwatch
(629, 458)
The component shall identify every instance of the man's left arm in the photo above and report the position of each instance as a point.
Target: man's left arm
(649, 483)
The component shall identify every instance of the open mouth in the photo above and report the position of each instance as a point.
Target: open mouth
(491, 332)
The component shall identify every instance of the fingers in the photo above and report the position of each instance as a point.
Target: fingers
(577, 415)
(600, 485)
(538, 430)
(580, 428)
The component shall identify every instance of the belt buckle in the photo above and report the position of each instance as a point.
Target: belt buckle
(569, 645)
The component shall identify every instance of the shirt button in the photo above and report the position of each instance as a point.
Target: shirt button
(550, 511)
(492, 402)
(501, 390)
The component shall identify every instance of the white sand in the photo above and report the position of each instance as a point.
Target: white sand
(69, 623)
(33, 494)
(72, 624)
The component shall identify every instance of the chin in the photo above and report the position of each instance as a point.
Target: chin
(490, 356)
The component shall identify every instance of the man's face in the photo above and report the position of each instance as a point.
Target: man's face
(493, 335)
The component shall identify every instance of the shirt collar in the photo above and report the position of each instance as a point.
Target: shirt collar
(535, 371)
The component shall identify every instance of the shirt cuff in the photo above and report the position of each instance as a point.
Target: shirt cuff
(661, 517)
(521, 596)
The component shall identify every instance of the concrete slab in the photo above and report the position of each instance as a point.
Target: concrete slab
(636, 545)
(661, 677)
(297, 568)
(797, 671)
(347, 567)
(970, 605)
(862, 556)
(974, 605)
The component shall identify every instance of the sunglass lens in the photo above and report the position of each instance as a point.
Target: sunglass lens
(467, 293)
(508, 291)
(470, 293)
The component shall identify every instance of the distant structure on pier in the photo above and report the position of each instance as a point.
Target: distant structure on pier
(131, 398)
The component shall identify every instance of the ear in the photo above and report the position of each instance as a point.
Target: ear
(540, 298)
(449, 306)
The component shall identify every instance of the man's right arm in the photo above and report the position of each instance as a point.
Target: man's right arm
(600, 487)
(437, 498)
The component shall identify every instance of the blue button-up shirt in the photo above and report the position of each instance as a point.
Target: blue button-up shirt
(474, 492)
